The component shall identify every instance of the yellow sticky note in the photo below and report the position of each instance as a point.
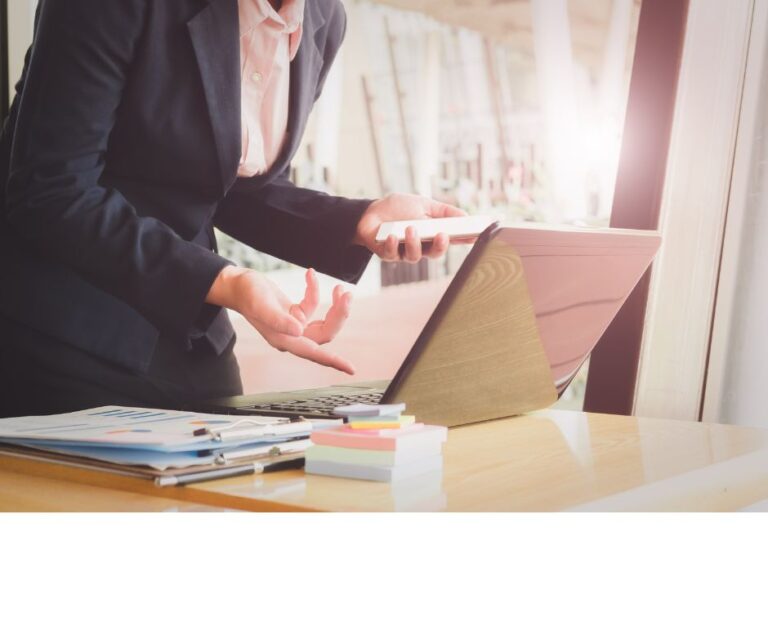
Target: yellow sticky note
(404, 421)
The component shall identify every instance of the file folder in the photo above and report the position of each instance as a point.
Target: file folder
(156, 444)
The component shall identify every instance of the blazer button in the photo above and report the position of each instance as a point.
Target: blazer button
(256, 77)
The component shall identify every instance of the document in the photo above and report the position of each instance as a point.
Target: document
(175, 460)
(148, 429)
(171, 447)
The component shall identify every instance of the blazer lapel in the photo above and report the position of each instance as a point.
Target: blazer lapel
(216, 41)
(215, 37)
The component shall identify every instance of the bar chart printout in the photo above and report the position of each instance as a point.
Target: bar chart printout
(123, 426)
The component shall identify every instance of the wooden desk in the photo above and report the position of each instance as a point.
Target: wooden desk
(26, 493)
(552, 460)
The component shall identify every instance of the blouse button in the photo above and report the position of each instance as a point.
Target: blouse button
(256, 77)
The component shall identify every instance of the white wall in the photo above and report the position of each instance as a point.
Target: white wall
(21, 15)
(737, 385)
(697, 185)
(746, 380)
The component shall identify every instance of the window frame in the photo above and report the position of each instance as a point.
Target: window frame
(613, 367)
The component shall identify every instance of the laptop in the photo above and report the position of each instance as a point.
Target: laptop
(510, 333)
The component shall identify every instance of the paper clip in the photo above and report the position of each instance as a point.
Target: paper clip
(262, 431)
(297, 447)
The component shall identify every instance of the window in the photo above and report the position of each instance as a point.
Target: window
(513, 109)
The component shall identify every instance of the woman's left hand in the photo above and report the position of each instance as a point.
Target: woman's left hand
(399, 207)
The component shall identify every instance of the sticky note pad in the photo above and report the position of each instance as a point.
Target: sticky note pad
(385, 439)
(360, 409)
(382, 423)
(374, 473)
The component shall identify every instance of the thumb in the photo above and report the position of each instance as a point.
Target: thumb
(439, 209)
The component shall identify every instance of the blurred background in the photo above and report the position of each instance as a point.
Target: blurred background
(513, 109)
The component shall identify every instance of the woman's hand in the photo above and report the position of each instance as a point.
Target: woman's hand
(399, 208)
(282, 323)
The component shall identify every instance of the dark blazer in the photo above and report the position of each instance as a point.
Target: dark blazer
(119, 157)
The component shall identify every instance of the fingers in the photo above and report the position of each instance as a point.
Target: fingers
(280, 322)
(296, 312)
(324, 331)
(440, 209)
(412, 250)
(262, 303)
(439, 246)
(311, 294)
(388, 250)
(309, 350)
(304, 310)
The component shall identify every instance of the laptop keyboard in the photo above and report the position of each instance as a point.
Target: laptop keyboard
(322, 405)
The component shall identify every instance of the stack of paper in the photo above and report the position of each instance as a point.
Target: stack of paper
(158, 439)
(378, 443)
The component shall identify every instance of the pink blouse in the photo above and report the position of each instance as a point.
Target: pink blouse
(269, 41)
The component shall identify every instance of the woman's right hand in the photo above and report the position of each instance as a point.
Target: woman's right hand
(284, 324)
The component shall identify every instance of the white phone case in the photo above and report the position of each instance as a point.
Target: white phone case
(428, 229)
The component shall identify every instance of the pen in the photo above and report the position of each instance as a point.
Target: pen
(214, 475)
(263, 432)
(284, 449)
(260, 431)
(258, 422)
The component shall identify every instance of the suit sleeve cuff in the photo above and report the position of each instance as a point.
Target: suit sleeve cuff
(184, 310)
(343, 259)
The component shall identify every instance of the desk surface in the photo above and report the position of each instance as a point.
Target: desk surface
(551, 460)
(26, 493)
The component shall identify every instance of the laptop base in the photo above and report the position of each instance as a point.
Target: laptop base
(309, 403)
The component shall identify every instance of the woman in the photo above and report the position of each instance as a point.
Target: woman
(136, 128)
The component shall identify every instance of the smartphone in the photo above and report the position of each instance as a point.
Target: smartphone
(457, 228)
